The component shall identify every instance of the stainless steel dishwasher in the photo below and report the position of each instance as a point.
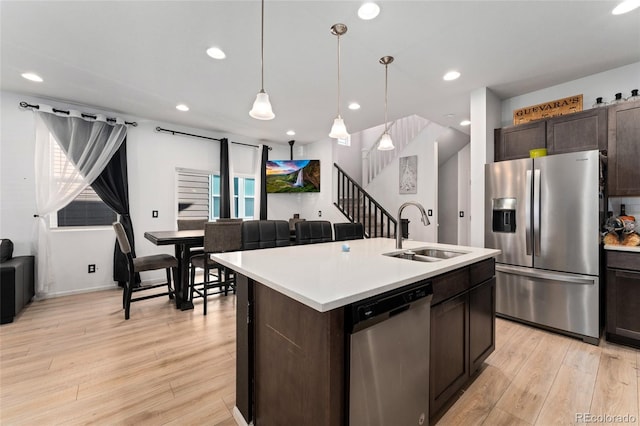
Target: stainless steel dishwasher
(389, 358)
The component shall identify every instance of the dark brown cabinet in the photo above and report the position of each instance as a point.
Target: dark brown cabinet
(581, 131)
(462, 330)
(449, 364)
(624, 149)
(514, 142)
(623, 298)
(482, 323)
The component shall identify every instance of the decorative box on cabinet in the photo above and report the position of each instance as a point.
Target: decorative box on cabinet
(580, 131)
(624, 149)
(623, 298)
(514, 142)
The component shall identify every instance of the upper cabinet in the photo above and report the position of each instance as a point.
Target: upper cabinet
(624, 149)
(514, 142)
(581, 131)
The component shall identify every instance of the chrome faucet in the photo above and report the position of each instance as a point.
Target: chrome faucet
(425, 220)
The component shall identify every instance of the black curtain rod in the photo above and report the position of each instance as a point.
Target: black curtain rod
(176, 132)
(85, 115)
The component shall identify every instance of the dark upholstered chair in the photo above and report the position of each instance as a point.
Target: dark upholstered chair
(258, 234)
(348, 231)
(141, 264)
(191, 224)
(16, 282)
(313, 231)
(219, 237)
(292, 226)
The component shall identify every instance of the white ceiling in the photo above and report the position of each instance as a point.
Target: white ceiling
(144, 57)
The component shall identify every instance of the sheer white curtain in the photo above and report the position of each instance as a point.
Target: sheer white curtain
(87, 145)
(257, 164)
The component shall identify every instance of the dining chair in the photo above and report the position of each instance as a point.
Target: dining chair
(189, 224)
(259, 234)
(141, 264)
(313, 231)
(348, 231)
(219, 237)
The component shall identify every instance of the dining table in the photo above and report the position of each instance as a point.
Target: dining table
(183, 242)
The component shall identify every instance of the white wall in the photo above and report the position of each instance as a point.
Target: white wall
(384, 188)
(448, 201)
(605, 84)
(464, 195)
(152, 160)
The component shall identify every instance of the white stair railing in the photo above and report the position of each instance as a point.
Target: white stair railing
(402, 132)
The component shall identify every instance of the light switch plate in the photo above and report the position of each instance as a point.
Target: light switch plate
(154, 213)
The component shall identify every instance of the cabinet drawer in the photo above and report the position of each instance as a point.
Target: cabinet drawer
(482, 271)
(448, 285)
(623, 260)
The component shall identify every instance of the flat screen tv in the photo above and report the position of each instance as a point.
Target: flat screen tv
(293, 176)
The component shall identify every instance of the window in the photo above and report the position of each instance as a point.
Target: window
(87, 209)
(243, 199)
(199, 195)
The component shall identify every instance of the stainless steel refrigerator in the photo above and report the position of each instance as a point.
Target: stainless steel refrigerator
(544, 214)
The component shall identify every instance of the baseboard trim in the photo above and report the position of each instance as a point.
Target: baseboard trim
(239, 418)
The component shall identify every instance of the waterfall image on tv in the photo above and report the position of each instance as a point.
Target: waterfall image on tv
(293, 176)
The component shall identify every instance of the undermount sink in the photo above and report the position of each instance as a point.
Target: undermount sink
(425, 254)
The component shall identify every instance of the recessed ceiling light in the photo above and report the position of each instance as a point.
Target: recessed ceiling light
(465, 122)
(626, 6)
(32, 77)
(291, 133)
(354, 105)
(216, 53)
(182, 107)
(451, 75)
(368, 11)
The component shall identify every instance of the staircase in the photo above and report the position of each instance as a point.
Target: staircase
(402, 132)
(358, 206)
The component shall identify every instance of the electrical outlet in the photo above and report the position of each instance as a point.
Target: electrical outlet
(154, 213)
(92, 268)
(319, 213)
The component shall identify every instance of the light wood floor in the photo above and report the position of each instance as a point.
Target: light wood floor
(74, 360)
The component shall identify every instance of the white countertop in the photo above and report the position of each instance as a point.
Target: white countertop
(324, 278)
(622, 248)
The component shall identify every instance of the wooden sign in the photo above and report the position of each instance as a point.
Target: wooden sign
(548, 109)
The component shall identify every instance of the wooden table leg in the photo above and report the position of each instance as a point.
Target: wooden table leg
(182, 281)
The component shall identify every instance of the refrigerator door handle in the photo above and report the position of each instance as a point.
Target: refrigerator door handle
(536, 212)
(544, 275)
(527, 213)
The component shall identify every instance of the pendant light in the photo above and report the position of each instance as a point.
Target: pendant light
(338, 130)
(262, 107)
(386, 144)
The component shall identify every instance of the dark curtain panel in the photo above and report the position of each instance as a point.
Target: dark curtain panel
(225, 193)
(113, 188)
(263, 182)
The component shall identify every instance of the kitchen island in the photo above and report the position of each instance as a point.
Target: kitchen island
(291, 311)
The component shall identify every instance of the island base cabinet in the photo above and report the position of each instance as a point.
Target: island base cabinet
(299, 362)
(462, 331)
(482, 323)
(449, 350)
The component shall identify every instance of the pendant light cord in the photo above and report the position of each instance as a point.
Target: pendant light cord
(262, 49)
(385, 97)
(338, 75)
